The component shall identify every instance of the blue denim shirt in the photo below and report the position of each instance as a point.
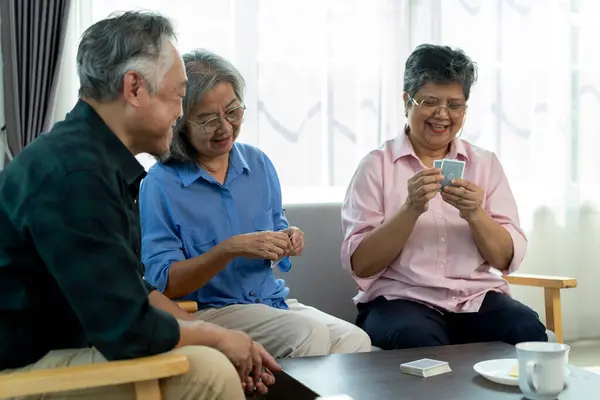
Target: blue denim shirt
(185, 212)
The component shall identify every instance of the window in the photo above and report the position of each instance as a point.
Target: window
(322, 79)
(324, 82)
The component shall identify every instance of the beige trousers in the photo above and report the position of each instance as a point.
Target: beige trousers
(298, 332)
(211, 377)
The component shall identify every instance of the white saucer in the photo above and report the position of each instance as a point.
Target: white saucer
(498, 371)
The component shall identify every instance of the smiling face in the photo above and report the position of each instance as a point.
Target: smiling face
(152, 115)
(437, 118)
(220, 102)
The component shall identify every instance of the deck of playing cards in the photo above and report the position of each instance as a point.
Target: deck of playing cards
(425, 367)
(451, 169)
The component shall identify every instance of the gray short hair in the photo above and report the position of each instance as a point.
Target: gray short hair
(205, 70)
(133, 40)
(441, 65)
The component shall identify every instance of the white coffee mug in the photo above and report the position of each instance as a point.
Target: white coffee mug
(542, 369)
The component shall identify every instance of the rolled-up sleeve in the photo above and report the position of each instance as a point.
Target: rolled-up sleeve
(161, 245)
(502, 207)
(81, 236)
(362, 211)
(279, 220)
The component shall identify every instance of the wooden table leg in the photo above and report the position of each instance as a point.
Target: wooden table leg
(147, 390)
(553, 312)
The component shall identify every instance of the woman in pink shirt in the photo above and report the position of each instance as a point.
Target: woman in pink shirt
(421, 255)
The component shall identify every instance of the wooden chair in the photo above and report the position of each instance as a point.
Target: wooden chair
(144, 373)
(552, 286)
(189, 306)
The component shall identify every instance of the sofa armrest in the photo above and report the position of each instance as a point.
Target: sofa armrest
(552, 286)
(144, 372)
(189, 306)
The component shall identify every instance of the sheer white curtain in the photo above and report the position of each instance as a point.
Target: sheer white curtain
(535, 105)
(325, 84)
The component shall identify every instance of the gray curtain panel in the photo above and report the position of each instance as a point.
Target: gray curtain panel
(32, 34)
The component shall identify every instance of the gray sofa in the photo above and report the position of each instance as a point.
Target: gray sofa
(317, 277)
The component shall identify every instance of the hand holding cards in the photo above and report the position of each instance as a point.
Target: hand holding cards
(262, 244)
(422, 187)
(296, 237)
(451, 169)
(460, 193)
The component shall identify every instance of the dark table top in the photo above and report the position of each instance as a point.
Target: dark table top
(377, 375)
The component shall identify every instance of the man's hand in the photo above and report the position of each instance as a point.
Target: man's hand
(261, 376)
(239, 348)
(267, 245)
(250, 359)
(297, 240)
(423, 187)
(466, 196)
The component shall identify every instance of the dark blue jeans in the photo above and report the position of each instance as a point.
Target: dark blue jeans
(404, 324)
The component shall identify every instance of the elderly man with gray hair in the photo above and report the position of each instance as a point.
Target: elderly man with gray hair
(71, 275)
(213, 225)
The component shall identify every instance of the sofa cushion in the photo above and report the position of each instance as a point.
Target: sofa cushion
(317, 278)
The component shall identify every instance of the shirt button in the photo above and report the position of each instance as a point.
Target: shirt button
(443, 238)
(442, 264)
(251, 294)
(257, 301)
(440, 216)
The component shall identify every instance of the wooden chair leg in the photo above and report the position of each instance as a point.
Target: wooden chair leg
(553, 312)
(147, 390)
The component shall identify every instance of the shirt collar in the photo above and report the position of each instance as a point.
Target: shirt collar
(238, 161)
(458, 150)
(120, 155)
(189, 173)
(403, 147)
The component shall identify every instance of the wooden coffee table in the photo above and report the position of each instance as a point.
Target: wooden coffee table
(377, 376)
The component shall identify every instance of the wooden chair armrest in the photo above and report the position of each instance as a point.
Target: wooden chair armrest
(92, 375)
(189, 306)
(545, 281)
(552, 286)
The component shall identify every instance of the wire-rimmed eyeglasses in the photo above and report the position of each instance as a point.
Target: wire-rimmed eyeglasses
(430, 106)
(235, 116)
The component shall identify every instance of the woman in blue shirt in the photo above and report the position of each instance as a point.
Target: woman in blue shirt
(213, 222)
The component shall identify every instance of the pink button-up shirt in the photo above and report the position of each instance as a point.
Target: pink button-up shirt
(440, 264)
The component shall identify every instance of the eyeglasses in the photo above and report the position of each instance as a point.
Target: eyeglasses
(235, 116)
(429, 107)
